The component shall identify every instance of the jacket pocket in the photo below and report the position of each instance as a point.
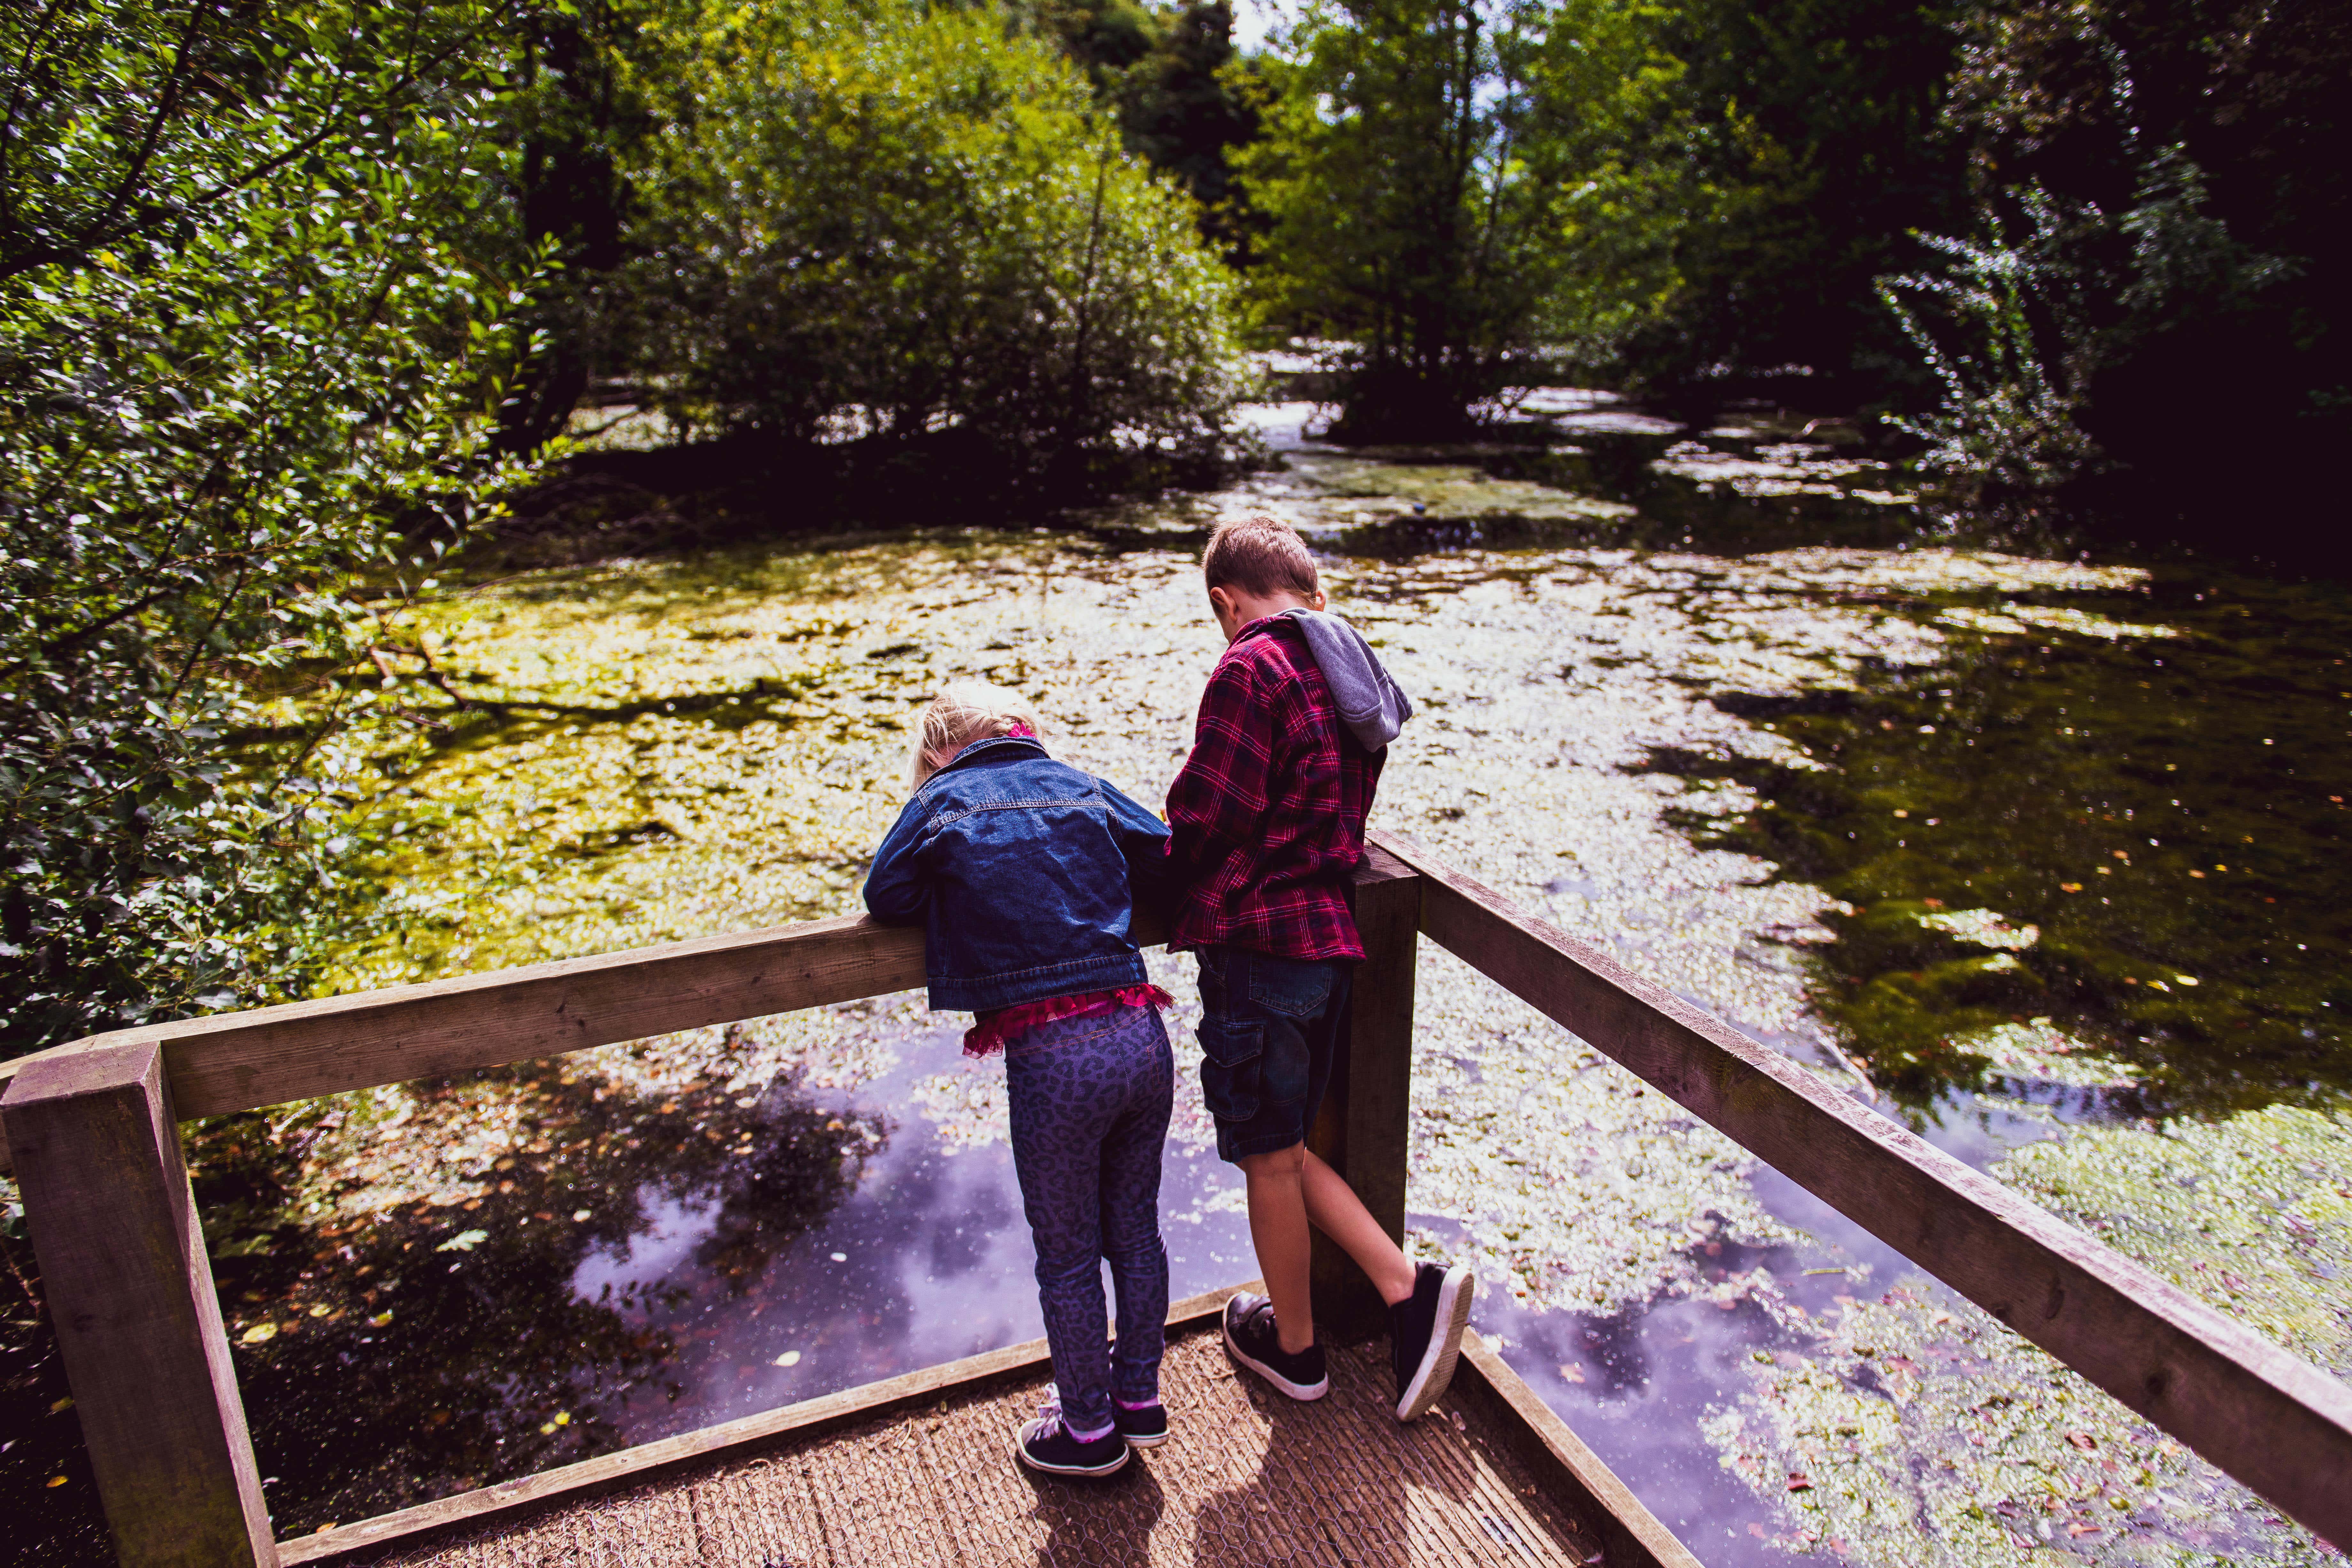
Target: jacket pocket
(1232, 1051)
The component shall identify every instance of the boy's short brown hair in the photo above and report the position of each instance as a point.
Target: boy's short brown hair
(1259, 555)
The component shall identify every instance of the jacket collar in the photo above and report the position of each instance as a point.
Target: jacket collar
(994, 749)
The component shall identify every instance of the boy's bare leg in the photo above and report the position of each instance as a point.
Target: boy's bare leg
(1288, 1188)
(1333, 1209)
(1277, 1219)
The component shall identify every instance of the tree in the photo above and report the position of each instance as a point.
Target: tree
(1815, 128)
(1188, 107)
(253, 281)
(575, 120)
(905, 226)
(2204, 158)
(1402, 216)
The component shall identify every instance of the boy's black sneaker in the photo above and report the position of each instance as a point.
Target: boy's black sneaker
(1044, 1443)
(1426, 1335)
(1251, 1339)
(1144, 1428)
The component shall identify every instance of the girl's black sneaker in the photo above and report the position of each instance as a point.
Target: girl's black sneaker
(1144, 1428)
(1426, 1335)
(1044, 1443)
(1251, 1339)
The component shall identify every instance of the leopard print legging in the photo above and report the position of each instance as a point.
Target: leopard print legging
(1090, 1098)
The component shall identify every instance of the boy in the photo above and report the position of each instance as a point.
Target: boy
(1268, 823)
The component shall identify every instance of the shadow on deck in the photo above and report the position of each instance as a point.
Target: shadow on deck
(919, 1469)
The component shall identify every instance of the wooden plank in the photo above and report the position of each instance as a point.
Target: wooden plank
(130, 1293)
(2279, 1424)
(1631, 1536)
(710, 1445)
(1366, 1117)
(266, 1055)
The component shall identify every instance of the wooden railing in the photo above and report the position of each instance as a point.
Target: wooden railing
(90, 1129)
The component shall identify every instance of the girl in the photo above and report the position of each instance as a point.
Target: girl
(1023, 871)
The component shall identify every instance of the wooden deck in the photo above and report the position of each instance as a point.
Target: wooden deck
(920, 1470)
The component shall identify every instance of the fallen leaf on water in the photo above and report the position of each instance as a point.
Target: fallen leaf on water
(380, 1320)
(790, 1357)
(260, 1333)
(1571, 1372)
(62, 1405)
(57, 1480)
(581, 1214)
(464, 1241)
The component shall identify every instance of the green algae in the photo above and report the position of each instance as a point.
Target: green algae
(649, 751)
(1922, 1417)
(2153, 779)
(1899, 1431)
(635, 754)
(2252, 1213)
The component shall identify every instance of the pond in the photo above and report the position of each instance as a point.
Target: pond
(2042, 855)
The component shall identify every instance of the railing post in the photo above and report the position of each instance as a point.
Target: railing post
(1362, 1131)
(129, 1292)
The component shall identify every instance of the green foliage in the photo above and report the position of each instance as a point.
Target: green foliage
(251, 319)
(1681, 196)
(1817, 127)
(1609, 130)
(2199, 153)
(896, 224)
(2007, 331)
(1189, 106)
(1403, 215)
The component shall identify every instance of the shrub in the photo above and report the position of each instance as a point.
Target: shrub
(248, 337)
(893, 224)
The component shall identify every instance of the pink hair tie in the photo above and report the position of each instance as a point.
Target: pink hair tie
(1017, 730)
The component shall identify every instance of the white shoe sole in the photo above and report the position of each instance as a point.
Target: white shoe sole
(1435, 1374)
(1020, 1448)
(1302, 1392)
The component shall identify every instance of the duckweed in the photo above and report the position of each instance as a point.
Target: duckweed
(1870, 797)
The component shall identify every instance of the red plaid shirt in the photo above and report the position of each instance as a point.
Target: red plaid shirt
(1268, 814)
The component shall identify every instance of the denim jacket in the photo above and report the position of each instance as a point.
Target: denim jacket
(1023, 871)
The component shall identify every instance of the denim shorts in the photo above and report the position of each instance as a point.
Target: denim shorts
(1269, 1030)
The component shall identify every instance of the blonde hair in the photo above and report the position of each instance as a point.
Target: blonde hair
(962, 713)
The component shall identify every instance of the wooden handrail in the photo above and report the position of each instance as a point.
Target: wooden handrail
(2276, 1423)
(267, 1056)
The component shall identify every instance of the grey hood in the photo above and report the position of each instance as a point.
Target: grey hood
(1370, 703)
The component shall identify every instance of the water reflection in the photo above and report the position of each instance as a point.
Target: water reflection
(2151, 784)
(391, 1357)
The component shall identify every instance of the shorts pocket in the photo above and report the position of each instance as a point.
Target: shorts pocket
(1231, 1052)
(1286, 1069)
(1287, 986)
